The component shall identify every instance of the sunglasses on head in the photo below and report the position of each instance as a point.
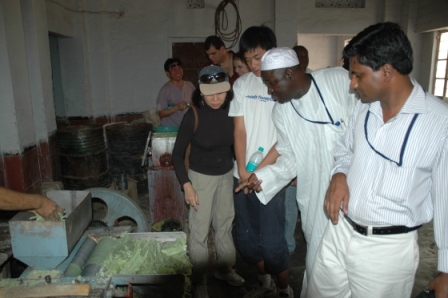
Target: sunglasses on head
(174, 65)
(208, 78)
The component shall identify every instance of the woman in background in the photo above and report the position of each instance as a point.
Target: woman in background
(240, 65)
(208, 184)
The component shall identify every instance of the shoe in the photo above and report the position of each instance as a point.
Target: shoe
(200, 291)
(287, 295)
(261, 292)
(232, 278)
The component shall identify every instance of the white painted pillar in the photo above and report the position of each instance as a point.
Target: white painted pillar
(16, 114)
(286, 21)
(39, 67)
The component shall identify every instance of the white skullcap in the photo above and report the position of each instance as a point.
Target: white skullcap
(279, 58)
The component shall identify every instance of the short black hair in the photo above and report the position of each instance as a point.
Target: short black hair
(197, 99)
(298, 48)
(240, 56)
(215, 41)
(170, 61)
(379, 44)
(257, 37)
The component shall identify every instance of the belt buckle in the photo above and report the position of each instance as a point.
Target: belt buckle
(363, 230)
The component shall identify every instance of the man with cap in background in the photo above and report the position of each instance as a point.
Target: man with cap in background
(310, 116)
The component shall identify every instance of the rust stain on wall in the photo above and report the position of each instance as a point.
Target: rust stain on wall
(166, 199)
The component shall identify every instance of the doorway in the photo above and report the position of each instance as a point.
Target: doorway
(58, 94)
(193, 58)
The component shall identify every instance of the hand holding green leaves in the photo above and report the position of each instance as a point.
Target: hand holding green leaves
(39, 217)
(14, 200)
(48, 209)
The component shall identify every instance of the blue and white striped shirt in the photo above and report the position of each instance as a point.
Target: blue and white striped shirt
(383, 193)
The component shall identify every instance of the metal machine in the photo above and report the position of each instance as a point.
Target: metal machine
(166, 200)
(119, 206)
(53, 249)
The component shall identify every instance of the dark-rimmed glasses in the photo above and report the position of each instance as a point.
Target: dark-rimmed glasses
(208, 78)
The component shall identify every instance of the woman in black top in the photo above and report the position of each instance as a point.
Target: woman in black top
(208, 184)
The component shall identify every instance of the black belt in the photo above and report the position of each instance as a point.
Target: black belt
(363, 230)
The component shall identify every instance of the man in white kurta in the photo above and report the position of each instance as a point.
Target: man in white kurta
(308, 126)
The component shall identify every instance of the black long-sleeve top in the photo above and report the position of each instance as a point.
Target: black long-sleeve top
(211, 144)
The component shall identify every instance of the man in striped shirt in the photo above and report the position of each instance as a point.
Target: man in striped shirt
(389, 177)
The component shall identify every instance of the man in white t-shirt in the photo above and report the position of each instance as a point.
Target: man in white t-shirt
(259, 226)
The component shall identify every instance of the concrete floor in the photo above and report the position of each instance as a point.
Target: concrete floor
(427, 269)
(218, 289)
(426, 272)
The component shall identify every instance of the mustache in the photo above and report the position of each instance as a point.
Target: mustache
(356, 92)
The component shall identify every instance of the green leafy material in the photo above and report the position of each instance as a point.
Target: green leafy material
(39, 217)
(137, 256)
(7, 282)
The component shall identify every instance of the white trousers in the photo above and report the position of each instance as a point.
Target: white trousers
(349, 264)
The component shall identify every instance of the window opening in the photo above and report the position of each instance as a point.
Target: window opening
(441, 77)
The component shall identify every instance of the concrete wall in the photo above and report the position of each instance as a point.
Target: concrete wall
(39, 67)
(427, 59)
(16, 116)
(111, 55)
(322, 30)
(27, 117)
(300, 17)
(313, 27)
(431, 15)
(322, 49)
(114, 62)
